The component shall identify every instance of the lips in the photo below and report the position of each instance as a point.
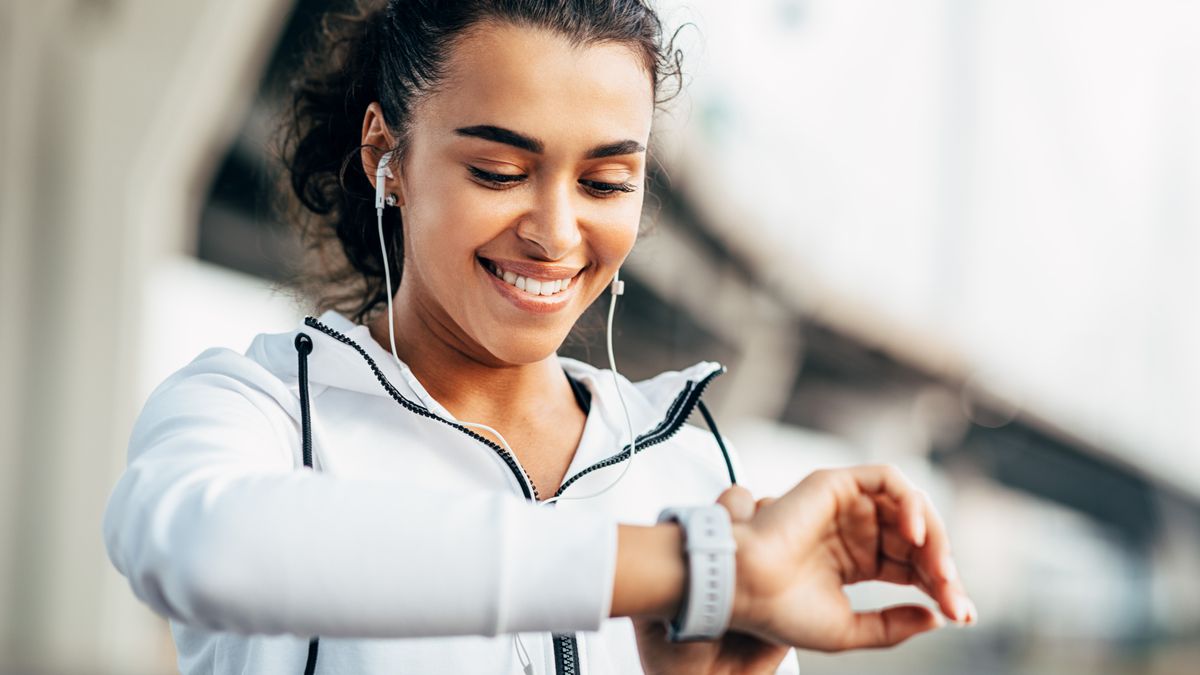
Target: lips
(532, 287)
(534, 270)
(541, 285)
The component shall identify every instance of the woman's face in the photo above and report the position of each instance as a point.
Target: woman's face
(522, 188)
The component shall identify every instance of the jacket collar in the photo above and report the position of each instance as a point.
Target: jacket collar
(344, 353)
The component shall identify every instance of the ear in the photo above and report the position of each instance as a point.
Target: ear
(376, 139)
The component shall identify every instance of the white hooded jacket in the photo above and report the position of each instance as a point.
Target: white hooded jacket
(410, 526)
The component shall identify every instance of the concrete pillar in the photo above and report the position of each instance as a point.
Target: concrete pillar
(112, 115)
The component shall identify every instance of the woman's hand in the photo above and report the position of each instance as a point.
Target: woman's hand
(839, 527)
(732, 653)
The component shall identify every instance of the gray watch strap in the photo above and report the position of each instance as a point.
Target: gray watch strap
(708, 604)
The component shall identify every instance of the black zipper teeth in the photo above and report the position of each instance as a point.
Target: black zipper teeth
(566, 654)
(527, 486)
(677, 414)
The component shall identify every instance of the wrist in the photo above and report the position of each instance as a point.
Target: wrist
(743, 617)
(651, 574)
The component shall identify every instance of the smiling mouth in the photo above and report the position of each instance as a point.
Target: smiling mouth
(528, 285)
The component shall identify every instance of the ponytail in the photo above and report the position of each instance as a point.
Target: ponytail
(321, 141)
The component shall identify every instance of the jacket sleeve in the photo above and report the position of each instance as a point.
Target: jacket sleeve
(213, 526)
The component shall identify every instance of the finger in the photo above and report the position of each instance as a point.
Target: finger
(951, 597)
(895, 546)
(898, 504)
(934, 557)
(914, 522)
(859, 530)
(889, 627)
(884, 479)
(893, 543)
(894, 572)
(900, 573)
(904, 574)
(765, 502)
(935, 563)
(738, 501)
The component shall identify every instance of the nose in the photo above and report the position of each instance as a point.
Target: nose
(551, 225)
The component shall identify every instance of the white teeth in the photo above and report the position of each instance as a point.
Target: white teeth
(531, 286)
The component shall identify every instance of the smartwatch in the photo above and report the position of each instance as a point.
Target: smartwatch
(708, 538)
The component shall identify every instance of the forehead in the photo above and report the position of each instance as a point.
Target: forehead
(535, 81)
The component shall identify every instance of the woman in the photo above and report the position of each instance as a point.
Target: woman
(504, 143)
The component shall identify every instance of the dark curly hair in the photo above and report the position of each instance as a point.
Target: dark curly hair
(394, 52)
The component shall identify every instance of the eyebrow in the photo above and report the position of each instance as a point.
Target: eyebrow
(496, 134)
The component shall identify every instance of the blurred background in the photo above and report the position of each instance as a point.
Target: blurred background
(961, 236)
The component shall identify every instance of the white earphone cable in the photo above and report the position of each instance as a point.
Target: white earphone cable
(617, 288)
(383, 171)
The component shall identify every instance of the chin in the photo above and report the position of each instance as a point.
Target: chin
(511, 349)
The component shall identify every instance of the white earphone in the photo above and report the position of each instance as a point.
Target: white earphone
(382, 172)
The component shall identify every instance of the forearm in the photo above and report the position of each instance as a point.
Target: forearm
(214, 526)
(651, 574)
(307, 554)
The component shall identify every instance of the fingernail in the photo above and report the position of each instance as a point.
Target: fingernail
(949, 570)
(973, 613)
(960, 608)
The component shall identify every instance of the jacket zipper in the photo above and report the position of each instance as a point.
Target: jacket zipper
(566, 648)
(527, 486)
(566, 654)
(678, 412)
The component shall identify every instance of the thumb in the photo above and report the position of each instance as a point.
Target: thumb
(738, 501)
(889, 627)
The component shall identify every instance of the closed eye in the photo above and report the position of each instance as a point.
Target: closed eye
(507, 180)
(606, 188)
(496, 178)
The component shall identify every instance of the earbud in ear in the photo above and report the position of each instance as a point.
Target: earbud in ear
(382, 173)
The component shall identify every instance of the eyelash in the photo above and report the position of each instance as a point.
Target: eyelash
(598, 188)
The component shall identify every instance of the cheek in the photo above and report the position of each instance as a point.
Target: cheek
(443, 234)
(613, 234)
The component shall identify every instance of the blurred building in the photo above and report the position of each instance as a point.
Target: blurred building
(958, 236)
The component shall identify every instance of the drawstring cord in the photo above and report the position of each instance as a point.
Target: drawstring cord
(712, 425)
(304, 347)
